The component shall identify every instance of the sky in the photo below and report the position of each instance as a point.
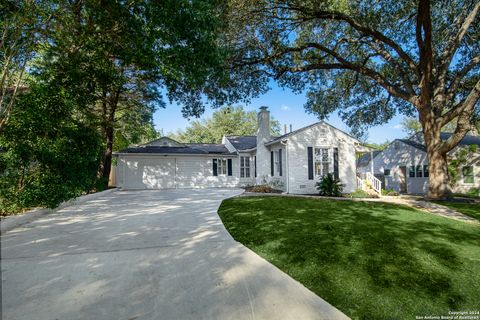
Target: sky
(284, 106)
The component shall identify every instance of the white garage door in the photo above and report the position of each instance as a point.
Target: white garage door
(149, 173)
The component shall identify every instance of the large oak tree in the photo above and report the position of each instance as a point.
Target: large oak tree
(370, 60)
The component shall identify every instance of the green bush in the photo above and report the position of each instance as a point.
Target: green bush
(329, 186)
(359, 193)
(474, 192)
(262, 188)
(389, 192)
(48, 156)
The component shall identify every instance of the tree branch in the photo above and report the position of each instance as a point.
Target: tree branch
(453, 43)
(375, 34)
(460, 75)
(463, 111)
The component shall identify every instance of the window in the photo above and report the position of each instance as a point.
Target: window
(322, 161)
(467, 173)
(425, 171)
(221, 166)
(244, 167)
(419, 171)
(396, 145)
(386, 172)
(411, 172)
(277, 162)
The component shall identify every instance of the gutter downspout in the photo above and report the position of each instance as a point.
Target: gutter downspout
(285, 143)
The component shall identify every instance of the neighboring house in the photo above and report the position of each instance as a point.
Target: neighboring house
(404, 164)
(364, 162)
(293, 162)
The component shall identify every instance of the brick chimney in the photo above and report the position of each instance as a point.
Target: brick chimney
(263, 153)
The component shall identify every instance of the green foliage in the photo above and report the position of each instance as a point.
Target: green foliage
(329, 186)
(474, 192)
(460, 159)
(262, 188)
(411, 126)
(354, 57)
(359, 193)
(389, 192)
(49, 156)
(224, 121)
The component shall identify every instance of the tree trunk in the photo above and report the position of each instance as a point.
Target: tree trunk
(438, 178)
(106, 164)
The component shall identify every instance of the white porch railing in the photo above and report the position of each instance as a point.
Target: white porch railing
(374, 182)
(361, 183)
(370, 182)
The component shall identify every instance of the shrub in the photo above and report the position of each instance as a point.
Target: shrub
(262, 188)
(329, 186)
(389, 192)
(359, 193)
(474, 192)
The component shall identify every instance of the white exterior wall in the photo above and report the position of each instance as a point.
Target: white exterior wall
(321, 135)
(407, 155)
(474, 161)
(392, 158)
(172, 172)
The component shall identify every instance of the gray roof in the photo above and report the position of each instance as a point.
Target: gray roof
(243, 142)
(364, 160)
(414, 144)
(190, 148)
(466, 141)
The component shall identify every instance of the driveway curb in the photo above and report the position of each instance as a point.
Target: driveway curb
(11, 222)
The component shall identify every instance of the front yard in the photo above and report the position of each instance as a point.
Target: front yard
(370, 260)
(468, 209)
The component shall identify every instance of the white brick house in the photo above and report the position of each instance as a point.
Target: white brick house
(293, 162)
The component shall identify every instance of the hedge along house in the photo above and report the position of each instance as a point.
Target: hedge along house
(293, 162)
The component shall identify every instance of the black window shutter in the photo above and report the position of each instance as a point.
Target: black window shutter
(280, 161)
(229, 166)
(271, 163)
(335, 163)
(215, 167)
(255, 160)
(310, 163)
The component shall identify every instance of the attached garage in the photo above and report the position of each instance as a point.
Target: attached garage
(149, 173)
(165, 163)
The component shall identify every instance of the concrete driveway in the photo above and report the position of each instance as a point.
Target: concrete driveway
(145, 255)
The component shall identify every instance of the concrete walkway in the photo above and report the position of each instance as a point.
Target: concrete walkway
(145, 255)
(430, 207)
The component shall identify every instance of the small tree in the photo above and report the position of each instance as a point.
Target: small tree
(329, 186)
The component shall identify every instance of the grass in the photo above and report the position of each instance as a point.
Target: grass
(468, 209)
(370, 260)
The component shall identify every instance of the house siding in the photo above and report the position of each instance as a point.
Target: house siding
(157, 172)
(321, 135)
(406, 155)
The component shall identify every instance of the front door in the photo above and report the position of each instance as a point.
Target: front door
(402, 178)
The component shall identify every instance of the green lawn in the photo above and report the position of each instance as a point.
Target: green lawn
(469, 209)
(370, 260)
